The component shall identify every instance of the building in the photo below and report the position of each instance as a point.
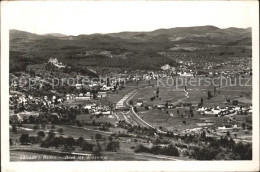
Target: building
(82, 96)
(102, 94)
(56, 63)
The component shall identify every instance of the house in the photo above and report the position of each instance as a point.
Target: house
(25, 115)
(170, 106)
(102, 94)
(139, 103)
(15, 118)
(202, 109)
(89, 106)
(106, 112)
(70, 96)
(185, 74)
(56, 63)
(166, 67)
(225, 129)
(206, 123)
(161, 106)
(107, 88)
(209, 112)
(82, 96)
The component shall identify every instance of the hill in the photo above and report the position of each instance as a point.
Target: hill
(131, 50)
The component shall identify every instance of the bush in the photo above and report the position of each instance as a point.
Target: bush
(79, 141)
(131, 102)
(51, 134)
(35, 127)
(24, 139)
(98, 136)
(87, 147)
(170, 150)
(52, 126)
(141, 148)
(113, 146)
(244, 150)
(204, 153)
(60, 130)
(14, 128)
(227, 156)
(66, 148)
(70, 141)
(146, 108)
(41, 134)
(155, 150)
(97, 150)
(11, 142)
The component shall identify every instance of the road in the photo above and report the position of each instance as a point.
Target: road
(134, 116)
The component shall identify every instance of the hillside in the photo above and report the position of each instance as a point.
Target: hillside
(131, 50)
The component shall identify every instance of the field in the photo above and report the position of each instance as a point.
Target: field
(170, 119)
(36, 153)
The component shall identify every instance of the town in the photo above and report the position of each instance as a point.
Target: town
(118, 113)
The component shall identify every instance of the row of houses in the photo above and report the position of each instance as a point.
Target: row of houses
(86, 96)
(221, 111)
(98, 110)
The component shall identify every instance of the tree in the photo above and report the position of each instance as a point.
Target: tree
(201, 101)
(135, 109)
(244, 150)
(11, 142)
(203, 135)
(227, 156)
(24, 139)
(41, 134)
(98, 136)
(191, 113)
(14, 128)
(97, 150)
(70, 142)
(43, 126)
(35, 127)
(204, 153)
(228, 133)
(209, 95)
(80, 141)
(31, 119)
(78, 123)
(243, 126)
(141, 148)
(131, 102)
(52, 126)
(66, 148)
(51, 134)
(113, 146)
(60, 130)
(87, 146)
(171, 151)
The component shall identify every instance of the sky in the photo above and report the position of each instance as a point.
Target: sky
(74, 18)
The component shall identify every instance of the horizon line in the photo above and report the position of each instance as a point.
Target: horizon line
(130, 31)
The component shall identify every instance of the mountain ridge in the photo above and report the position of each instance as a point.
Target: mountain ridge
(136, 50)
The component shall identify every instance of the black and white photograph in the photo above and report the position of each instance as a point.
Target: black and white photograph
(134, 81)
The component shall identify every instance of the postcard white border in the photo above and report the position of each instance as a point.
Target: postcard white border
(6, 165)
